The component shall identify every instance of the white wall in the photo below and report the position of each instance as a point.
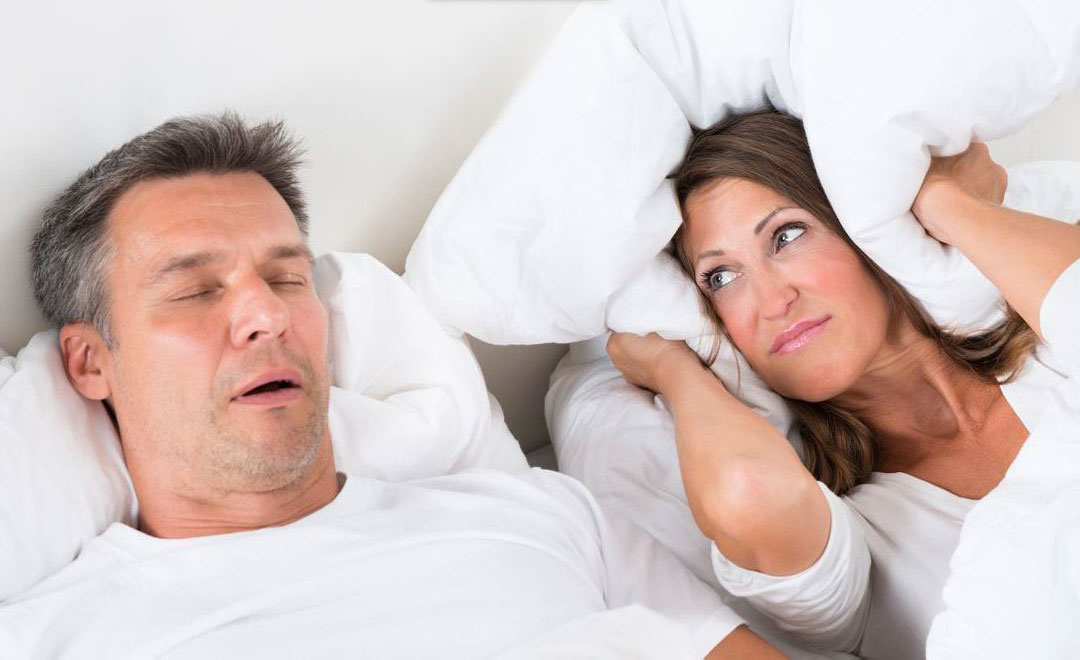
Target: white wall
(390, 96)
(1054, 135)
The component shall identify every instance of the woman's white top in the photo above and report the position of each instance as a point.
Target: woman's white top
(878, 584)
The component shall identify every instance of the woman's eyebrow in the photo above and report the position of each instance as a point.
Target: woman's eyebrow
(757, 230)
(761, 223)
(708, 253)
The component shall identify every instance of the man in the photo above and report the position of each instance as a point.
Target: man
(177, 271)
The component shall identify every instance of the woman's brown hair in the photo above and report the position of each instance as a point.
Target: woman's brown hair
(770, 148)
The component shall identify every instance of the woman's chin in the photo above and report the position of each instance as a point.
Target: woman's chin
(813, 386)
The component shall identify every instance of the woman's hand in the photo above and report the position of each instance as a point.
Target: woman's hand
(953, 181)
(642, 359)
(1021, 253)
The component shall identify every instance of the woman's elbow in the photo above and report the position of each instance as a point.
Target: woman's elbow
(763, 516)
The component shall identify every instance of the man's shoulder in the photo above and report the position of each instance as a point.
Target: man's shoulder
(481, 480)
(535, 487)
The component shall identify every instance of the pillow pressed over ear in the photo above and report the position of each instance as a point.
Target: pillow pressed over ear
(408, 401)
(884, 86)
(565, 200)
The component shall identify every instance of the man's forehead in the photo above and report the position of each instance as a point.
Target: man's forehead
(202, 213)
(232, 189)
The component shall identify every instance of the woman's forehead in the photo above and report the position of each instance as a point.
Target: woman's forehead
(729, 207)
(734, 195)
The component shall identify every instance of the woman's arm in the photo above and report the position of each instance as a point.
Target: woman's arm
(747, 488)
(742, 644)
(1021, 253)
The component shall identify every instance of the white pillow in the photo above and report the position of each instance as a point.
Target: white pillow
(409, 401)
(565, 201)
(62, 476)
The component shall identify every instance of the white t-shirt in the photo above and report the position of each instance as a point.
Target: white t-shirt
(878, 584)
(462, 566)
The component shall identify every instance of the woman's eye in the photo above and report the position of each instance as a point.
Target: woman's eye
(718, 278)
(787, 234)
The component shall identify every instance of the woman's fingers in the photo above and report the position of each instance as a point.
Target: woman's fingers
(976, 171)
(639, 357)
(951, 181)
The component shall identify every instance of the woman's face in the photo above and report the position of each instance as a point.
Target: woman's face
(795, 298)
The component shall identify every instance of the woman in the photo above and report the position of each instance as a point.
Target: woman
(909, 423)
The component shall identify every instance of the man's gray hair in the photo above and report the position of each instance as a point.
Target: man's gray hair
(70, 251)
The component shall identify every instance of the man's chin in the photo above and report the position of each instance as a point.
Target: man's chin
(266, 448)
(265, 463)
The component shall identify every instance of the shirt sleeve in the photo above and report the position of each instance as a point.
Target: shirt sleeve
(825, 605)
(639, 570)
(1059, 317)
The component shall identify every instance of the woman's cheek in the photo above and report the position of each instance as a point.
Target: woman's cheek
(737, 315)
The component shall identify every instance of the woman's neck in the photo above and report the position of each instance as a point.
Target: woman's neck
(915, 398)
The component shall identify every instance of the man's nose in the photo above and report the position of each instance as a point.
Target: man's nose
(775, 295)
(257, 313)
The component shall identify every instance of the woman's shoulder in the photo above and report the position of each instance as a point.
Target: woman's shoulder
(1027, 391)
(892, 496)
(1053, 369)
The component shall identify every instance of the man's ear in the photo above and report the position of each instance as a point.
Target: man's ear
(86, 359)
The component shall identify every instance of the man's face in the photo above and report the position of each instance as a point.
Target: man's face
(219, 369)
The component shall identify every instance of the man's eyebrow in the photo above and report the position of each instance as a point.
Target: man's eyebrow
(290, 251)
(202, 259)
(757, 230)
(184, 262)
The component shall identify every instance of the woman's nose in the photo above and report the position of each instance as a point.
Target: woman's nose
(257, 313)
(775, 295)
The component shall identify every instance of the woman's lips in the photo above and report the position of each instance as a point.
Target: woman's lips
(798, 335)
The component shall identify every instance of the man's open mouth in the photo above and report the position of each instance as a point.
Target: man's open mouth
(272, 386)
(279, 386)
